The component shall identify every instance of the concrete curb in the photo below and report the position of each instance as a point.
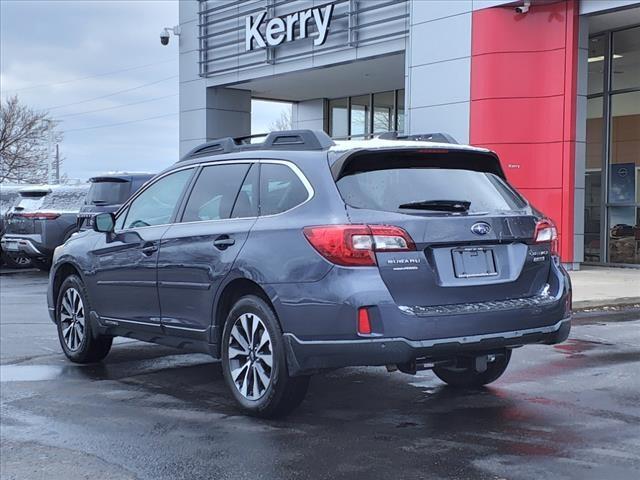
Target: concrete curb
(607, 303)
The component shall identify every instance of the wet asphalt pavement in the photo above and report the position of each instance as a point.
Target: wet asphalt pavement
(148, 412)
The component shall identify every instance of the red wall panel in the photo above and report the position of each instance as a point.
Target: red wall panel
(501, 29)
(523, 102)
(517, 120)
(525, 78)
(530, 164)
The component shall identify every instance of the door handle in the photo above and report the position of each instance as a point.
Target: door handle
(223, 242)
(149, 249)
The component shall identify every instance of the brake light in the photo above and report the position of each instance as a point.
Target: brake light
(40, 215)
(356, 245)
(546, 232)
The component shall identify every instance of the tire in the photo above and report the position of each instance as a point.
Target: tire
(260, 390)
(74, 326)
(468, 377)
(20, 261)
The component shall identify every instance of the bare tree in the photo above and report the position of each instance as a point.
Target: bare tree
(283, 122)
(25, 138)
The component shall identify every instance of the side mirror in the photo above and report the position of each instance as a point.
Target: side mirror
(104, 222)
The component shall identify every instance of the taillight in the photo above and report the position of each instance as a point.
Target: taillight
(355, 245)
(546, 232)
(40, 215)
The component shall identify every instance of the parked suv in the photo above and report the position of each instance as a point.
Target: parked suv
(44, 218)
(107, 193)
(9, 196)
(298, 254)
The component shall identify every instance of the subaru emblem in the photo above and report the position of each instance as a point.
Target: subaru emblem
(481, 228)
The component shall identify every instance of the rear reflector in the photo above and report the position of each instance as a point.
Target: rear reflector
(546, 232)
(364, 325)
(356, 245)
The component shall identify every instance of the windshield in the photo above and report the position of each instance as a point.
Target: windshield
(424, 190)
(108, 193)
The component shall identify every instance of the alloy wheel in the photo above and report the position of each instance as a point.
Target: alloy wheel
(72, 321)
(250, 356)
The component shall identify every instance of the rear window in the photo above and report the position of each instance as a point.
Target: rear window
(64, 200)
(280, 189)
(30, 202)
(108, 193)
(388, 189)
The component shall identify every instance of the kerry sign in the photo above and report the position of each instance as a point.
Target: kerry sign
(283, 29)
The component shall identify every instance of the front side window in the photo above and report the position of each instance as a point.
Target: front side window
(280, 189)
(155, 206)
(215, 193)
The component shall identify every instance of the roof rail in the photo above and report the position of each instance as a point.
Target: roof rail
(281, 140)
(420, 137)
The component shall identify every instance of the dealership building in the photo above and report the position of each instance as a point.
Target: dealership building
(552, 86)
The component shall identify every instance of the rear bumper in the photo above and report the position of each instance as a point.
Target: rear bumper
(26, 244)
(311, 355)
(319, 321)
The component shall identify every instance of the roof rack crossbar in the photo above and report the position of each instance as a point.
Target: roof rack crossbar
(281, 140)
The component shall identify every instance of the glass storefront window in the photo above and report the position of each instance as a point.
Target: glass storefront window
(613, 149)
(593, 180)
(626, 59)
(339, 115)
(597, 49)
(624, 175)
(360, 109)
(624, 237)
(365, 115)
(384, 118)
(400, 104)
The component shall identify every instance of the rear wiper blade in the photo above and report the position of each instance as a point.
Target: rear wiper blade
(99, 202)
(439, 205)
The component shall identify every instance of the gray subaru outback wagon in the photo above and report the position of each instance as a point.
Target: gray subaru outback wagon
(300, 254)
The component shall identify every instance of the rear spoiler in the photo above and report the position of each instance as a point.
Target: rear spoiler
(365, 160)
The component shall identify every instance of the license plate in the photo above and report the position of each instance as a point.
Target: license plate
(473, 262)
(11, 247)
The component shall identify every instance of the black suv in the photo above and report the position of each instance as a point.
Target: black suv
(43, 218)
(107, 193)
(298, 254)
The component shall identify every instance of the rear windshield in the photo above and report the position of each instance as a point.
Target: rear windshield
(30, 202)
(108, 193)
(388, 189)
(64, 200)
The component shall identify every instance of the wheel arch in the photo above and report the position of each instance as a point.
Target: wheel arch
(63, 271)
(229, 295)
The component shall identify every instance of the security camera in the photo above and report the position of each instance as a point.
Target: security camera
(523, 8)
(164, 37)
(164, 34)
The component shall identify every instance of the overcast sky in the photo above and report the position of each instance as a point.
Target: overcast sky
(62, 55)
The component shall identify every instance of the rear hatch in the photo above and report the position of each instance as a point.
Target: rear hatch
(21, 219)
(106, 194)
(473, 234)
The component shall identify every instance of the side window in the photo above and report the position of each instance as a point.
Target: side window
(280, 189)
(215, 191)
(247, 202)
(156, 204)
